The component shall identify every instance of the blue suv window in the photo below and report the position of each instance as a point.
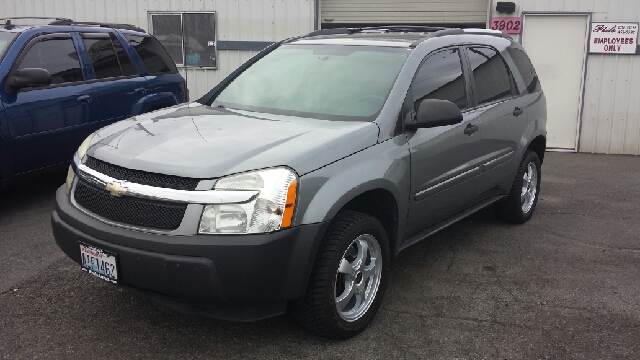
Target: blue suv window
(56, 55)
(153, 55)
(128, 69)
(6, 38)
(103, 56)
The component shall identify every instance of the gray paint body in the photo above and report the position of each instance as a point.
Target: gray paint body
(434, 174)
(203, 142)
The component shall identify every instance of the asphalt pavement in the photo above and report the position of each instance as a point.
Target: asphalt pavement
(564, 285)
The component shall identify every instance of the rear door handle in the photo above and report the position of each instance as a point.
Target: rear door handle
(470, 129)
(141, 91)
(85, 98)
(517, 112)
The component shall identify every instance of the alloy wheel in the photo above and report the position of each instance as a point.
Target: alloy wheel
(358, 278)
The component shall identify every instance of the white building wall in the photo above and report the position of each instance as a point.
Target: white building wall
(611, 115)
(238, 20)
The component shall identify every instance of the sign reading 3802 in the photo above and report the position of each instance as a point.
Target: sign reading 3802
(613, 38)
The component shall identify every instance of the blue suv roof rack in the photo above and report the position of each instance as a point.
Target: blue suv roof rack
(8, 25)
(100, 24)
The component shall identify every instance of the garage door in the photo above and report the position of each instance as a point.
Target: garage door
(454, 12)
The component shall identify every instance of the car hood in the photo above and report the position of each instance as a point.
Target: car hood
(198, 141)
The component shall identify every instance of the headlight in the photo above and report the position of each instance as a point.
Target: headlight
(271, 210)
(70, 177)
(82, 150)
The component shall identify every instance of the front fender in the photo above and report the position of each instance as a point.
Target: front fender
(324, 192)
(154, 101)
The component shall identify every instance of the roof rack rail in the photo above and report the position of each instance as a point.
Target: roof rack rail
(403, 28)
(8, 25)
(456, 31)
(349, 31)
(99, 24)
(433, 32)
(35, 17)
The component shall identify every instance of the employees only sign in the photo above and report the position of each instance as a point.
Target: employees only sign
(614, 38)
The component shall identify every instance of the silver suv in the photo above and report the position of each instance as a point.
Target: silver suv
(297, 180)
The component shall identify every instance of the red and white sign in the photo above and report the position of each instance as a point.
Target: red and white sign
(510, 25)
(614, 38)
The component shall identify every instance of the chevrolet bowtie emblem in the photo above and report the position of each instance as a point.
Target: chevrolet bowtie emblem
(116, 188)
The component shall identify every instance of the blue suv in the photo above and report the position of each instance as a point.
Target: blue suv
(63, 81)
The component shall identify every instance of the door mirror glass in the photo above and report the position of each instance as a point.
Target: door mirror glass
(432, 113)
(30, 77)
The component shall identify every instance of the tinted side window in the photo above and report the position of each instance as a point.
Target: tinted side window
(153, 55)
(126, 65)
(525, 68)
(491, 77)
(103, 57)
(440, 77)
(56, 55)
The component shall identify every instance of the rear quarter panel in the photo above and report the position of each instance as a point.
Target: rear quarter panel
(167, 88)
(164, 89)
(536, 112)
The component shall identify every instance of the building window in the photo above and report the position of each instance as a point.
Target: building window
(189, 37)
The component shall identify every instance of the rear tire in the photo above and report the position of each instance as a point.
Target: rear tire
(519, 206)
(349, 277)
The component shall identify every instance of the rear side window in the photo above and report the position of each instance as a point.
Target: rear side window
(56, 55)
(128, 69)
(440, 77)
(525, 68)
(103, 56)
(491, 76)
(153, 55)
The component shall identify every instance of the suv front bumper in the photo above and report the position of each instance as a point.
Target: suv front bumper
(233, 277)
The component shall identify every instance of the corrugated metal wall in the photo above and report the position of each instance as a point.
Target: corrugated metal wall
(238, 20)
(611, 115)
(404, 11)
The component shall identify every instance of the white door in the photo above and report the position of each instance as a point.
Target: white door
(557, 45)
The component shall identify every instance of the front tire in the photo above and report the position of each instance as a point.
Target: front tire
(519, 206)
(349, 277)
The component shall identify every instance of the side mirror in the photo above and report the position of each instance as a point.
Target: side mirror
(29, 77)
(432, 113)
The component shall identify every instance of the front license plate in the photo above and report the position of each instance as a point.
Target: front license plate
(99, 263)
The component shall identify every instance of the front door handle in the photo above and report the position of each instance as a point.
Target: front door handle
(517, 112)
(470, 129)
(85, 98)
(141, 91)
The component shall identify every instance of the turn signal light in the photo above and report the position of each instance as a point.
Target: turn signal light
(287, 217)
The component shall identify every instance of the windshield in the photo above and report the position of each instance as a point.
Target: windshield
(332, 82)
(5, 40)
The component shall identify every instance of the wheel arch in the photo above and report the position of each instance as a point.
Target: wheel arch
(154, 102)
(539, 146)
(377, 198)
(382, 205)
